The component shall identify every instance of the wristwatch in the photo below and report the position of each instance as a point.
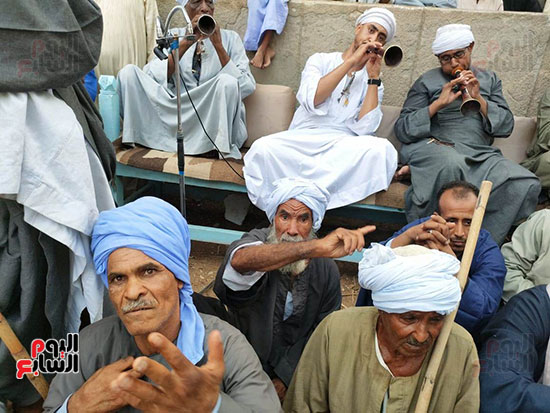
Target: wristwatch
(376, 82)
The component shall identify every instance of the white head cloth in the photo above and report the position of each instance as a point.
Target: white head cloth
(451, 37)
(381, 16)
(410, 278)
(307, 192)
(184, 2)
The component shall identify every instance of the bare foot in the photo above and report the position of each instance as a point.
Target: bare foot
(403, 173)
(269, 54)
(258, 59)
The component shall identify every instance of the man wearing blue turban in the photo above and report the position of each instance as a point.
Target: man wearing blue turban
(154, 352)
(280, 282)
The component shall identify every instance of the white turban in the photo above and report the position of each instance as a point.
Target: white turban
(381, 16)
(410, 278)
(307, 192)
(184, 2)
(451, 37)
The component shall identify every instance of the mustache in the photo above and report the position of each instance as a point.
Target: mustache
(414, 342)
(291, 238)
(138, 305)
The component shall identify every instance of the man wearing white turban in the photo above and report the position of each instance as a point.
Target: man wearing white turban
(279, 282)
(214, 70)
(330, 139)
(373, 360)
(441, 145)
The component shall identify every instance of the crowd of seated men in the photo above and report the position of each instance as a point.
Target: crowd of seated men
(277, 339)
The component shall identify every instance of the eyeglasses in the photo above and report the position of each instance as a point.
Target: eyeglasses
(448, 57)
(196, 3)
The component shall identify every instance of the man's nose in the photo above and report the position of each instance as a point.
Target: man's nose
(421, 333)
(204, 8)
(292, 229)
(459, 229)
(134, 289)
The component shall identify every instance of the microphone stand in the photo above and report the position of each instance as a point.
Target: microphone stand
(164, 41)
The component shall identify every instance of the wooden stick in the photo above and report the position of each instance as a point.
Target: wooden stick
(18, 352)
(435, 360)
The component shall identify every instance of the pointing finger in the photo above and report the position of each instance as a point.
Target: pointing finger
(367, 229)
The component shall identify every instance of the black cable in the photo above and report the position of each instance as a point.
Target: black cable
(204, 129)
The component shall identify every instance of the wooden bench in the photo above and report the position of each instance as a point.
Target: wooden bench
(269, 110)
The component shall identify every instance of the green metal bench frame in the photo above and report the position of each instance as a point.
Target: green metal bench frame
(218, 190)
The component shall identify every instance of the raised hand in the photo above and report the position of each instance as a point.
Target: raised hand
(186, 388)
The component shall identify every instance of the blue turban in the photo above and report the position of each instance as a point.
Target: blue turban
(410, 278)
(157, 229)
(305, 191)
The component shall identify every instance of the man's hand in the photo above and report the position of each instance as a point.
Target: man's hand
(420, 233)
(280, 388)
(434, 240)
(96, 394)
(446, 97)
(341, 242)
(216, 37)
(470, 82)
(360, 57)
(187, 388)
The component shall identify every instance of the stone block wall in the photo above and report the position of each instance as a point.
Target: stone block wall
(515, 45)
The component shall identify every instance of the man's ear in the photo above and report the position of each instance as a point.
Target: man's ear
(180, 284)
(471, 47)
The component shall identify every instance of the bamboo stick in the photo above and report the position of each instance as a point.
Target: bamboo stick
(462, 275)
(18, 352)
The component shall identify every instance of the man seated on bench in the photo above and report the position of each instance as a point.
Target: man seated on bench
(440, 144)
(215, 71)
(153, 355)
(330, 139)
(279, 282)
(447, 230)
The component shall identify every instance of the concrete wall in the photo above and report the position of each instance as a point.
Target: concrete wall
(515, 45)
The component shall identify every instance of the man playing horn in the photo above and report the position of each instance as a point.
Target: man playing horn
(216, 72)
(441, 145)
(330, 139)
(373, 360)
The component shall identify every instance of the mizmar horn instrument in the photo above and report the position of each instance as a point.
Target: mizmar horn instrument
(470, 106)
(206, 24)
(391, 56)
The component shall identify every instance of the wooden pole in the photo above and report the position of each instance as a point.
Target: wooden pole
(18, 352)
(435, 360)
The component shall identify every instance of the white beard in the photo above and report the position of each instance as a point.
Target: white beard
(297, 267)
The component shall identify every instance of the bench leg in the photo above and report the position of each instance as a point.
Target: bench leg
(118, 191)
